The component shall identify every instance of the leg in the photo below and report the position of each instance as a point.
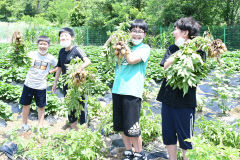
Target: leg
(184, 153)
(41, 113)
(131, 110)
(169, 132)
(73, 120)
(127, 141)
(172, 151)
(185, 125)
(41, 102)
(137, 143)
(84, 113)
(26, 100)
(25, 113)
(74, 125)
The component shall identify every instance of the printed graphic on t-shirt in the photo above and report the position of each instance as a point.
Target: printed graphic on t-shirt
(40, 64)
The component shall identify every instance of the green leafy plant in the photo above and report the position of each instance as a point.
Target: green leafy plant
(80, 83)
(9, 92)
(201, 102)
(83, 144)
(150, 124)
(5, 111)
(205, 150)
(188, 67)
(220, 133)
(17, 52)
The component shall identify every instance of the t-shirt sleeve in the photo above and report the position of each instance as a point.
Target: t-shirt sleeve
(30, 54)
(80, 53)
(144, 53)
(54, 61)
(171, 49)
(59, 62)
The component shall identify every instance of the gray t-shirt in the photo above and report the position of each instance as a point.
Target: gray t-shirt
(40, 66)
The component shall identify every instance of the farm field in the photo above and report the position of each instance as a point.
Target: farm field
(218, 113)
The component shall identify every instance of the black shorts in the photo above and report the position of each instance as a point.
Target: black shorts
(28, 93)
(83, 117)
(126, 114)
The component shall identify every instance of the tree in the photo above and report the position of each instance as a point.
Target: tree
(230, 11)
(5, 10)
(79, 14)
(29, 8)
(59, 11)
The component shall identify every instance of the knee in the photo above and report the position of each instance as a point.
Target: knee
(41, 109)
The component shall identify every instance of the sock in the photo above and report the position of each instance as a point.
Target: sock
(25, 125)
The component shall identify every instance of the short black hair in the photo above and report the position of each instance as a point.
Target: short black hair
(139, 23)
(44, 38)
(189, 24)
(66, 29)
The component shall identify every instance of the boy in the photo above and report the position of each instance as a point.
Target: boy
(36, 81)
(178, 111)
(127, 91)
(66, 54)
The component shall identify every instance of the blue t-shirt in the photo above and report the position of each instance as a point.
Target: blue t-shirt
(129, 78)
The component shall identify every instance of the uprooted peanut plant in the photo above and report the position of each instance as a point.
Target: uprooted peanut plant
(80, 83)
(188, 67)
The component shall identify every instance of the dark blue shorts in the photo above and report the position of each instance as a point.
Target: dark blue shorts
(39, 95)
(177, 123)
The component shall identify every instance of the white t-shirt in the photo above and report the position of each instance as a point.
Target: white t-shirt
(40, 66)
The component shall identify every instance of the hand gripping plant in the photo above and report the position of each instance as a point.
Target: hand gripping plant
(80, 83)
(188, 67)
(117, 44)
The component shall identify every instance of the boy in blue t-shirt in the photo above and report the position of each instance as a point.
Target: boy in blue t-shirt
(127, 91)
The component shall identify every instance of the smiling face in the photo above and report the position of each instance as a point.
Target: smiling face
(43, 47)
(137, 33)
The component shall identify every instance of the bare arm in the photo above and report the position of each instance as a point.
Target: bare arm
(168, 62)
(108, 41)
(86, 63)
(58, 72)
(133, 59)
(53, 70)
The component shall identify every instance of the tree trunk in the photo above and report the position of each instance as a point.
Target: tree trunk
(38, 8)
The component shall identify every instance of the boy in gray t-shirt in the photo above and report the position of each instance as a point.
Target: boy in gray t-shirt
(36, 81)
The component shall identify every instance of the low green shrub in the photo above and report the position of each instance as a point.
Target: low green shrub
(220, 133)
(205, 150)
(83, 144)
(5, 111)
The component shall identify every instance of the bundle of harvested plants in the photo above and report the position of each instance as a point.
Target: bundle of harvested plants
(80, 82)
(117, 44)
(188, 67)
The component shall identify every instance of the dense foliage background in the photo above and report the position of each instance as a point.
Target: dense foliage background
(108, 13)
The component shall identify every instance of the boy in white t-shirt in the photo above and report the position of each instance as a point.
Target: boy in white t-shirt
(36, 81)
